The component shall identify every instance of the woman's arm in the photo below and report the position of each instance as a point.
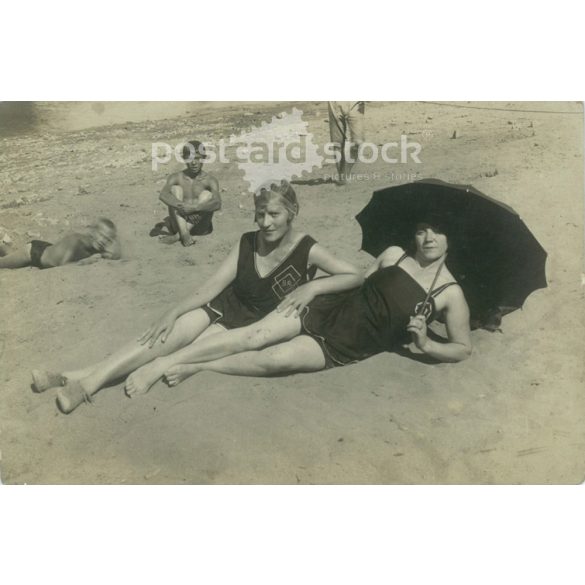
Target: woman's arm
(388, 257)
(225, 274)
(459, 346)
(342, 276)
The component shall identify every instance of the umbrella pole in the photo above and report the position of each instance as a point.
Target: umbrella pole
(430, 291)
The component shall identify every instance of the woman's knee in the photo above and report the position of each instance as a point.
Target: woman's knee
(274, 362)
(279, 360)
(252, 338)
(301, 354)
(192, 324)
(274, 328)
(260, 335)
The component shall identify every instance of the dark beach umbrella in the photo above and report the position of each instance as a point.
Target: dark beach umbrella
(492, 254)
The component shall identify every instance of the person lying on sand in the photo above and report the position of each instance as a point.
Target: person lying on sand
(192, 196)
(401, 294)
(100, 241)
(268, 268)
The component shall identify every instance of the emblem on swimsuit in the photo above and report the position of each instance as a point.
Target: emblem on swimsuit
(286, 281)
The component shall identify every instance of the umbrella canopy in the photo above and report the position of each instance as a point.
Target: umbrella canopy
(491, 253)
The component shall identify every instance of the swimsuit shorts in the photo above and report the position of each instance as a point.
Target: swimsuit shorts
(37, 247)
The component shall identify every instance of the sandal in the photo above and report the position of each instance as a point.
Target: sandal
(71, 396)
(43, 380)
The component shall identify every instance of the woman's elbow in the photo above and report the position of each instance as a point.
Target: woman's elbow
(459, 353)
(466, 352)
(358, 277)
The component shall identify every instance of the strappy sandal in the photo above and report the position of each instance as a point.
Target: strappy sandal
(71, 396)
(43, 380)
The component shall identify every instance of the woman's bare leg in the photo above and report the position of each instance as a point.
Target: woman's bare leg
(272, 329)
(141, 380)
(301, 354)
(134, 354)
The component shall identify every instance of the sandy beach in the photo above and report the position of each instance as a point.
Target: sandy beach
(512, 413)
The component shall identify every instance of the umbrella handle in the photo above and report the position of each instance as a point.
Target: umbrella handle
(430, 291)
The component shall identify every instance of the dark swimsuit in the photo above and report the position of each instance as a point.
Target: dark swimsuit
(352, 326)
(251, 297)
(202, 222)
(37, 247)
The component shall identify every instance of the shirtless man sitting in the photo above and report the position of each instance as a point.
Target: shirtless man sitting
(101, 241)
(192, 196)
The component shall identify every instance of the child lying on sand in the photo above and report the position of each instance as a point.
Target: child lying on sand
(101, 241)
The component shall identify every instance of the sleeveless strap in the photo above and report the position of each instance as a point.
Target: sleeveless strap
(440, 289)
(437, 290)
(246, 251)
(401, 259)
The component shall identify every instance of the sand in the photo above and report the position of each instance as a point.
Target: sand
(512, 413)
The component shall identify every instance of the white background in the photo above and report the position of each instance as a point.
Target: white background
(291, 51)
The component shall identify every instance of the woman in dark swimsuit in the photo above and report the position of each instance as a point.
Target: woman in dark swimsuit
(269, 268)
(335, 330)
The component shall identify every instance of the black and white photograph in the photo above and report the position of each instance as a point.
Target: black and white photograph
(308, 292)
(292, 294)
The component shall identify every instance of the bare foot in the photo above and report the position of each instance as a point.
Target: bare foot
(140, 381)
(43, 380)
(176, 374)
(171, 239)
(71, 396)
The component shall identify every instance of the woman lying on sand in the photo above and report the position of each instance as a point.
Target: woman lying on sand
(268, 268)
(343, 328)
